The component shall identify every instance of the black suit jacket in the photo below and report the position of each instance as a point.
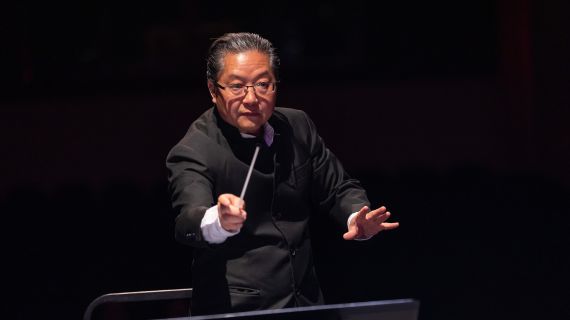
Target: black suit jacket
(269, 263)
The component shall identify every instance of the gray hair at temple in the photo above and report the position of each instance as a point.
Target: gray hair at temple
(236, 43)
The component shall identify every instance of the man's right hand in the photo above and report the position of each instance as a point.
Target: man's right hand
(231, 212)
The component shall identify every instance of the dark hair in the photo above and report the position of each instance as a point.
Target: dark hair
(237, 43)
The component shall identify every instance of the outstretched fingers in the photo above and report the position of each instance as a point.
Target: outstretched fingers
(390, 225)
(368, 223)
(362, 214)
(376, 214)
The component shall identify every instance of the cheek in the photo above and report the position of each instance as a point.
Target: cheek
(232, 108)
(268, 108)
(232, 105)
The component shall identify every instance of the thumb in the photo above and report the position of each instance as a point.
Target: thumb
(350, 234)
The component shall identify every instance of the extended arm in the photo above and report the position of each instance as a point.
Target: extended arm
(341, 195)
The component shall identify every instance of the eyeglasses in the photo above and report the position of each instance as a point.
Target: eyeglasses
(238, 89)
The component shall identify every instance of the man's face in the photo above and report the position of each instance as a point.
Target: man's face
(250, 111)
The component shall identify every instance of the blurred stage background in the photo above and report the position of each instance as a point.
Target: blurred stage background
(454, 114)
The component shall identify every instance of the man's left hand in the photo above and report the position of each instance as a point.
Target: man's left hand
(368, 223)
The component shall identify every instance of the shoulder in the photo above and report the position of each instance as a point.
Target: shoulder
(204, 130)
(290, 113)
(297, 119)
(199, 137)
(203, 125)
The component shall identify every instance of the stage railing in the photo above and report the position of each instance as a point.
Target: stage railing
(136, 297)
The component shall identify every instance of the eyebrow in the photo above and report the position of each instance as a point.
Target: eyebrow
(263, 74)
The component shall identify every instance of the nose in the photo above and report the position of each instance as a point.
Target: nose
(250, 96)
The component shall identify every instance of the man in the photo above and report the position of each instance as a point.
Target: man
(255, 253)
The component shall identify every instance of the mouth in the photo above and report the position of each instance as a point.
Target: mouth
(250, 114)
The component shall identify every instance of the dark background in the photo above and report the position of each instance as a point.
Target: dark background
(454, 114)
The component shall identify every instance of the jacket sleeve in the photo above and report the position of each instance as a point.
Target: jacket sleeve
(190, 187)
(333, 190)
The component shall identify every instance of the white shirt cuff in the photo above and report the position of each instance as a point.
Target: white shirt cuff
(350, 218)
(212, 229)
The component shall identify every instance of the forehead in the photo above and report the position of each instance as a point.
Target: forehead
(246, 64)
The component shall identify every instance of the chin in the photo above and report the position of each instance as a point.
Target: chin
(250, 129)
(249, 126)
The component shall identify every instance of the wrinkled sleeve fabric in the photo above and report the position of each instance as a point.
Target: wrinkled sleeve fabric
(333, 190)
(191, 190)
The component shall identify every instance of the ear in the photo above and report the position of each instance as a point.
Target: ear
(213, 91)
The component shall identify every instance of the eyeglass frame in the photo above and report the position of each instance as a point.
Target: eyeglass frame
(246, 87)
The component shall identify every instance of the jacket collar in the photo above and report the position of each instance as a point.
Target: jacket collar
(232, 133)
